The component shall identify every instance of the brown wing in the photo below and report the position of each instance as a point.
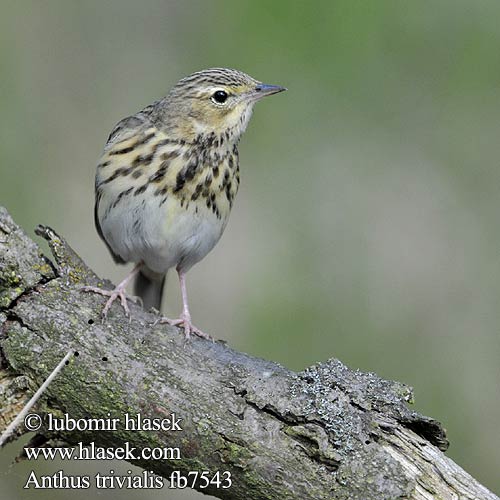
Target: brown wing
(116, 258)
(121, 131)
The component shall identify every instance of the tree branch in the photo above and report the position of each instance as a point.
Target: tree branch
(327, 432)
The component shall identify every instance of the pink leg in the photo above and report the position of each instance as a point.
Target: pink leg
(119, 291)
(185, 319)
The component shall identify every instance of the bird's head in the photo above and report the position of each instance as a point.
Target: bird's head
(215, 102)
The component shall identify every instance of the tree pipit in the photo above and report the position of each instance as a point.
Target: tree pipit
(167, 179)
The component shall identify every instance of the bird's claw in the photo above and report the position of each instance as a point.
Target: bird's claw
(118, 292)
(186, 324)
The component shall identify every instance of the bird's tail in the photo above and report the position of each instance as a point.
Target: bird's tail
(149, 287)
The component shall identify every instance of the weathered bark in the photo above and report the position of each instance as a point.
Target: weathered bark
(328, 432)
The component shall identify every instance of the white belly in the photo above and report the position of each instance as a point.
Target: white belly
(161, 236)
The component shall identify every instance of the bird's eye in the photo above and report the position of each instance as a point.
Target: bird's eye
(219, 97)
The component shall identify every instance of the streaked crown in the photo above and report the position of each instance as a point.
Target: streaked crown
(213, 101)
(231, 78)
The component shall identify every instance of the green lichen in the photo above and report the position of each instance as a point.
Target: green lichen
(43, 268)
(9, 277)
(9, 285)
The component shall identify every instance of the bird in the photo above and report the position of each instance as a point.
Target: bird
(166, 182)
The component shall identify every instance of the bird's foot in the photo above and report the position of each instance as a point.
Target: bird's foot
(118, 292)
(185, 322)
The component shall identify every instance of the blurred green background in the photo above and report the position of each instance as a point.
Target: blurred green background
(366, 227)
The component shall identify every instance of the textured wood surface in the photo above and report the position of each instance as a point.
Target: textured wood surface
(325, 433)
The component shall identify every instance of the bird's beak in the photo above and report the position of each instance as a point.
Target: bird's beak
(263, 90)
